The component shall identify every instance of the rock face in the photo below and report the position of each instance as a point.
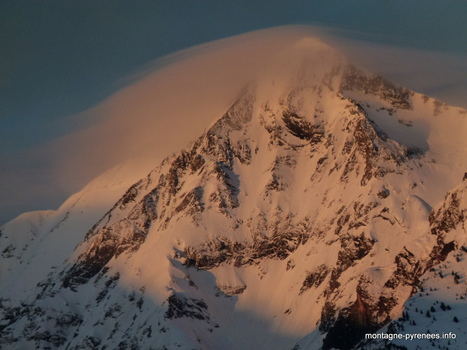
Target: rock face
(295, 221)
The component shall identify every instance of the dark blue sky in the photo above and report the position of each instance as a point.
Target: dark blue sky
(58, 58)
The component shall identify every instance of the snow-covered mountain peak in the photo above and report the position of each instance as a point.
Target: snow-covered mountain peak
(302, 218)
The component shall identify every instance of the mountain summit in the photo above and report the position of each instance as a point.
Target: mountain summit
(301, 219)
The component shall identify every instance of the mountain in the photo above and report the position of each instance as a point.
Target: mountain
(325, 204)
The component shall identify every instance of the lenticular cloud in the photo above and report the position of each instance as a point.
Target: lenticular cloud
(174, 99)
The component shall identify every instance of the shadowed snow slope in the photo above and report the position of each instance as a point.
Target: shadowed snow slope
(301, 219)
